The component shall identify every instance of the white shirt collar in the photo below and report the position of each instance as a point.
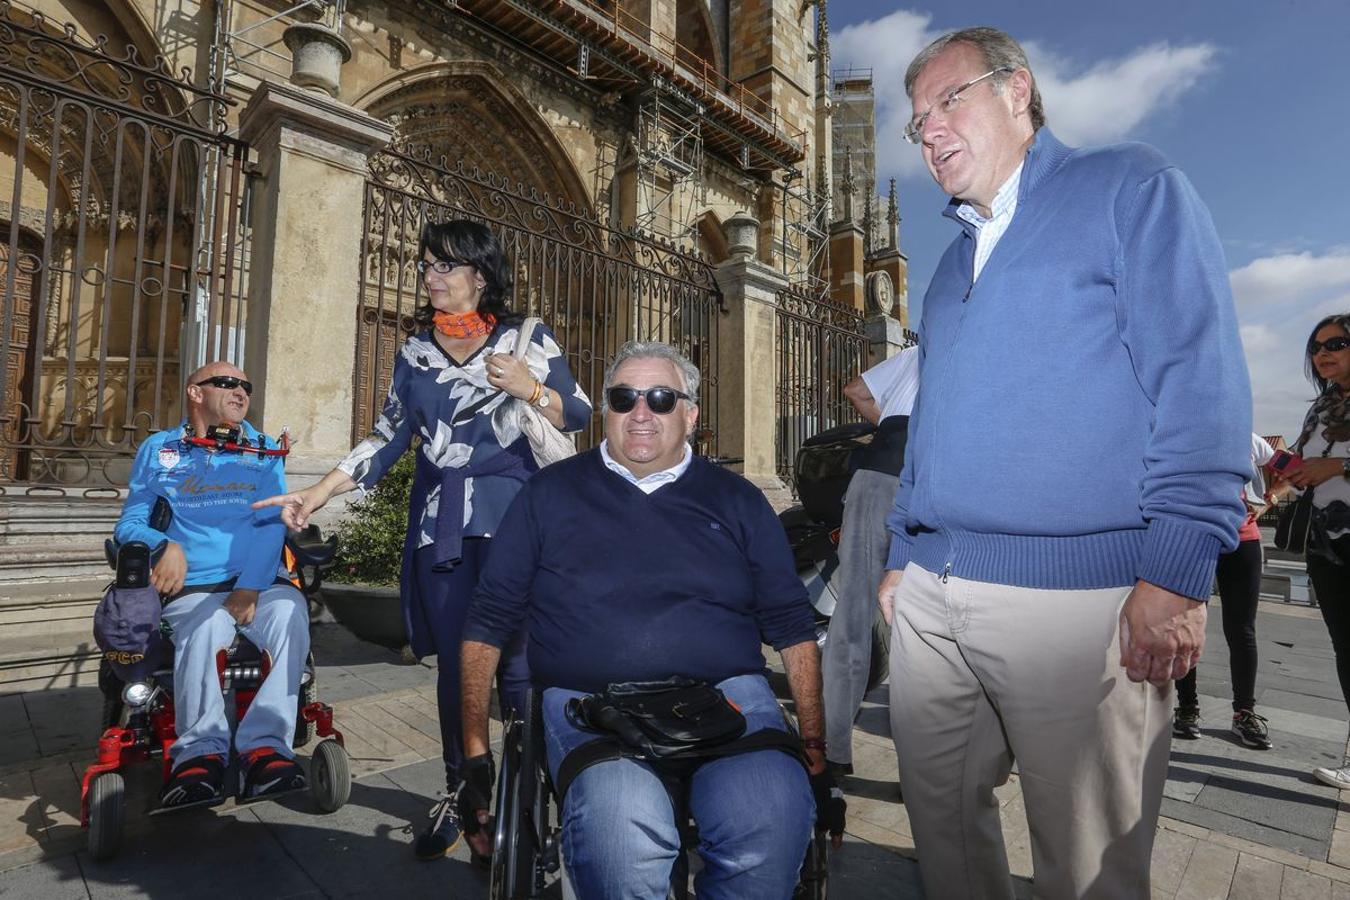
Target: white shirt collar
(647, 483)
(1004, 201)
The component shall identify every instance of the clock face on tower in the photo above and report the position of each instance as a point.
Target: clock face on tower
(880, 294)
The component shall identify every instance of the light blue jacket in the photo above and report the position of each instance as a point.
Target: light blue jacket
(1084, 413)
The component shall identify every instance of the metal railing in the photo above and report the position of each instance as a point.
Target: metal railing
(113, 257)
(593, 285)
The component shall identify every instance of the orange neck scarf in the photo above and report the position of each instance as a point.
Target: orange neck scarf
(468, 325)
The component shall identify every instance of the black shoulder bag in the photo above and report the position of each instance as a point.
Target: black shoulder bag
(1302, 528)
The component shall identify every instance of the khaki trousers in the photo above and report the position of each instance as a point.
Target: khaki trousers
(985, 673)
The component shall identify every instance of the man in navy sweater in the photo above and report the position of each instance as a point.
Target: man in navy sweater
(1074, 461)
(220, 571)
(638, 561)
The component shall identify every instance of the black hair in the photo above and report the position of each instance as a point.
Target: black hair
(1309, 368)
(461, 240)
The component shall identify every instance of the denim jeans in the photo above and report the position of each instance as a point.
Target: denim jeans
(754, 813)
(201, 628)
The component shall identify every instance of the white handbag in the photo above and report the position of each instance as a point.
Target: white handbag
(547, 443)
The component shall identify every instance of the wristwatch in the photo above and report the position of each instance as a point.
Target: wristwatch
(543, 400)
(1345, 467)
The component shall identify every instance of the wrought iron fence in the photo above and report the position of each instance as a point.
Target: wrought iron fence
(821, 347)
(595, 286)
(121, 235)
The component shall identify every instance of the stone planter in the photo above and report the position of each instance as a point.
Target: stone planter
(742, 233)
(371, 613)
(317, 55)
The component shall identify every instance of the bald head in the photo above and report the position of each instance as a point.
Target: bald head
(214, 404)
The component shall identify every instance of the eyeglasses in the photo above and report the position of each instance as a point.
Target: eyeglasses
(228, 383)
(1334, 345)
(947, 105)
(440, 266)
(660, 400)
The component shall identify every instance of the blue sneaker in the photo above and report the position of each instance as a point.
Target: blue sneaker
(442, 836)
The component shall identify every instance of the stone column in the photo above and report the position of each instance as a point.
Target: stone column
(896, 265)
(305, 264)
(746, 358)
(885, 334)
(847, 264)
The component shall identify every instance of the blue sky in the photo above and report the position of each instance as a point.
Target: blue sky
(1249, 97)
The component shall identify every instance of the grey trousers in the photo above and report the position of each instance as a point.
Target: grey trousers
(863, 545)
(984, 673)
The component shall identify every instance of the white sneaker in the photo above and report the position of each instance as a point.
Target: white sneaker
(1337, 778)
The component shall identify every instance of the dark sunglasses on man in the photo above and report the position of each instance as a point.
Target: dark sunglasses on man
(227, 383)
(660, 400)
(1332, 345)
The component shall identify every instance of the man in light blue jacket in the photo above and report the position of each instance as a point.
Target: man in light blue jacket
(1073, 470)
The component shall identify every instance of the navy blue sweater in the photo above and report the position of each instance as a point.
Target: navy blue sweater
(618, 585)
(1084, 414)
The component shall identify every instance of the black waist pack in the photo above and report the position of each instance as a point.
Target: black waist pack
(658, 719)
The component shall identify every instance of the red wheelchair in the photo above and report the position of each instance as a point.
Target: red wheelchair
(138, 717)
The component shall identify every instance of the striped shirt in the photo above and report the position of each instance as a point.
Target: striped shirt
(988, 231)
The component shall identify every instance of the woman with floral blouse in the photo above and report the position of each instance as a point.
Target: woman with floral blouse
(455, 384)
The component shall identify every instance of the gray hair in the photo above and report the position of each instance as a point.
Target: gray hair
(999, 51)
(652, 350)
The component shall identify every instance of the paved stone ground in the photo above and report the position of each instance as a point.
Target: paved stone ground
(1237, 824)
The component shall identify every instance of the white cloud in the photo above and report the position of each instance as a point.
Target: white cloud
(1279, 299)
(1106, 102)
(1290, 277)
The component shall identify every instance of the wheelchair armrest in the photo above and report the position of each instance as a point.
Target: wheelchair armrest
(310, 547)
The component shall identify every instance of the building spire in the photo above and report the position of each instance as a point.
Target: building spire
(892, 221)
(846, 187)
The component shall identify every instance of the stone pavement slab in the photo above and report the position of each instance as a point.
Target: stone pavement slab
(1238, 823)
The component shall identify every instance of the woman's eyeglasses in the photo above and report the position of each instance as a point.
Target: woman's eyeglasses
(1334, 345)
(660, 400)
(228, 383)
(440, 266)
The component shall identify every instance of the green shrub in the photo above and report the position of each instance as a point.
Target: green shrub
(370, 538)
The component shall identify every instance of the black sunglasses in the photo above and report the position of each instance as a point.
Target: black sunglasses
(1334, 344)
(228, 383)
(660, 400)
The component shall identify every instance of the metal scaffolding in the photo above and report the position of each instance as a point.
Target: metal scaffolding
(670, 185)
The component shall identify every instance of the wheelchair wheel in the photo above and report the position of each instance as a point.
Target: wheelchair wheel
(330, 776)
(107, 812)
(815, 875)
(520, 835)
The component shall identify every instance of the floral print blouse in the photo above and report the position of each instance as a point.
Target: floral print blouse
(461, 419)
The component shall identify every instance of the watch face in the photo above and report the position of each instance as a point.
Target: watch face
(544, 398)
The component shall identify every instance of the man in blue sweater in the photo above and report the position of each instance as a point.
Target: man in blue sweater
(220, 571)
(638, 561)
(1073, 467)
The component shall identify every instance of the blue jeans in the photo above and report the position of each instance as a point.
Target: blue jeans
(754, 813)
(202, 628)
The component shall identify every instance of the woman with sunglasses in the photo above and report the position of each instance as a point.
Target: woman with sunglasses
(1324, 445)
(454, 384)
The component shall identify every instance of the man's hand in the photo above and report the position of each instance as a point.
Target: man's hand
(1161, 634)
(475, 801)
(830, 806)
(169, 573)
(890, 586)
(242, 605)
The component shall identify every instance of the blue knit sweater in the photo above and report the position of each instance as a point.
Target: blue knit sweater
(618, 585)
(1084, 413)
